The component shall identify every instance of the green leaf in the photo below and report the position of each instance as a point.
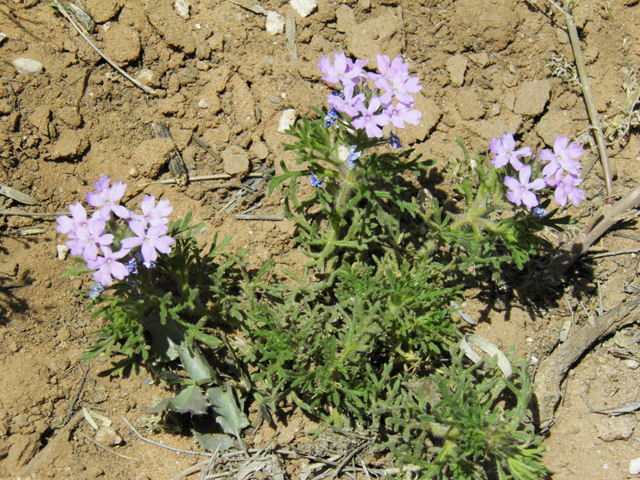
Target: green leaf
(230, 417)
(190, 400)
(214, 441)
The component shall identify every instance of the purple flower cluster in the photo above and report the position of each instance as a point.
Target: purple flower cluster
(562, 172)
(390, 102)
(91, 237)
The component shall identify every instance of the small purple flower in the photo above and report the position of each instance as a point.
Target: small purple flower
(400, 85)
(315, 181)
(153, 214)
(394, 140)
(400, 113)
(108, 266)
(330, 118)
(353, 156)
(504, 151)
(95, 291)
(343, 70)
(106, 198)
(565, 188)
(78, 218)
(346, 103)
(562, 157)
(520, 191)
(369, 119)
(132, 266)
(86, 240)
(539, 212)
(151, 241)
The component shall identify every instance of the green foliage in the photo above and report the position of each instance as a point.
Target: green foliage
(475, 416)
(185, 292)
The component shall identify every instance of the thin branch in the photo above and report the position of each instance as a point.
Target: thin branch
(62, 10)
(588, 99)
(179, 450)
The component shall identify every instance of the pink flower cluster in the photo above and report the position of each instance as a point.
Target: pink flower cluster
(390, 102)
(562, 172)
(89, 237)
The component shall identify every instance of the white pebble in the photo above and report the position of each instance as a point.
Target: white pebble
(304, 7)
(27, 65)
(634, 466)
(63, 252)
(203, 103)
(287, 120)
(275, 23)
(182, 8)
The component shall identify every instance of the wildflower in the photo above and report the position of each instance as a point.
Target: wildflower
(504, 151)
(151, 241)
(539, 212)
(400, 86)
(343, 70)
(400, 113)
(346, 103)
(108, 266)
(330, 118)
(520, 191)
(562, 157)
(132, 266)
(78, 218)
(369, 119)
(86, 240)
(353, 156)
(565, 188)
(95, 291)
(315, 181)
(106, 198)
(394, 140)
(153, 214)
(388, 70)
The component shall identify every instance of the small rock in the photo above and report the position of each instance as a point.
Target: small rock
(481, 59)
(152, 155)
(108, 437)
(634, 466)
(63, 334)
(287, 120)
(27, 66)
(121, 44)
(469, 105)
(275, 23)
(63, 252)
(345, 19)
(615, 428)
(259, 150)
(182, 8)
(457, 66)
(13, 346)
(70, 145)
(304, 7)
(40, 119)
(149, 78)
(532, 97)
(551, 123)
(235, 161)
(632, 364)
(103, 10)
(70, 116)
(172, 29)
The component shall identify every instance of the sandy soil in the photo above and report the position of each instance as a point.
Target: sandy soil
(220, 77)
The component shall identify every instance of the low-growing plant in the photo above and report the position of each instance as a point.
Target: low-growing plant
(366, 335)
